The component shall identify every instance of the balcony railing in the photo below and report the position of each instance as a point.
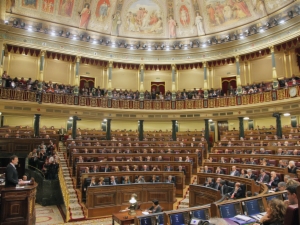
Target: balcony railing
(100, 102)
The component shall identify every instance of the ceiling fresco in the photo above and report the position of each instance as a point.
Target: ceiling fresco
(147, 19)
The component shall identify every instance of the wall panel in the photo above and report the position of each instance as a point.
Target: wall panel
(57, 71)
(23, 66)
(125, 79)
(190, 79)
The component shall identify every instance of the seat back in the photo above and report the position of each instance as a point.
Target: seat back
(292, 215)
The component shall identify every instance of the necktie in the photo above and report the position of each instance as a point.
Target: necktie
(261, 179)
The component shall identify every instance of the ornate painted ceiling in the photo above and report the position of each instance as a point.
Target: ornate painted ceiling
(182, 31)
(145, 19)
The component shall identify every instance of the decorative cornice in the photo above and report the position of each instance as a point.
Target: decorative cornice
(271, 37)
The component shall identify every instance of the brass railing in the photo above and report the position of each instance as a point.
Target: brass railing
(65, 192)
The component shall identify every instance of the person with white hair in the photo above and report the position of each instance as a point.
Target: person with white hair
(292, 167)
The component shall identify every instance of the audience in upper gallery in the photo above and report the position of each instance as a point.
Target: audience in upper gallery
(50, 87)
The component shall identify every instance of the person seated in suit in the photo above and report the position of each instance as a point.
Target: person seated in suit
(274, 180)
(145, 168)
(113, 180)
(219, 171)
(168, 168)
(223, 188)
(250, 175)
(280, 187)
(209, 183)
(101, 181)
(95, 169)
(222, 160)
(154, 179)
(232, 160)
(93, 182)
(234, 172)
(160, 159)
(237, 191)
(180, 169)
(251, 161)
(292, 167)
(206, 170)
(155, 208)
(106, 169)
(126, 180)
(140, 179)
(170, 180)
(263, 177)
(217, 185)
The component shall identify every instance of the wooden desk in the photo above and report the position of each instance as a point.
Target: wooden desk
(18, 205)
(123, 218)
(106, 200)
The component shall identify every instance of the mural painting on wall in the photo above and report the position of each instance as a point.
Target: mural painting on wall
(186, 19)
(65, 8)
(273, 5)
(30, 4)
(103, 9)
(85, 14)
(226, 12)
(144, 17)
(48, 6)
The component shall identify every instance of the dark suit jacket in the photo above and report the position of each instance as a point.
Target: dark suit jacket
(221, 172)
(211, 185)
(217, 186)
(207, 171)
(107, 170)
(275, 182)
(252, 176)
(155, 181)
(157, 210)
(292, 170)
(168, 170)
(224, 189)
(238, 194)
(236, 173)
(266, 178)
(11, 176)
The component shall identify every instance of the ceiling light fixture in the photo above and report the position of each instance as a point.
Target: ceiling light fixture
(246, 118)
(67, 34)
(29, 28)
(286, 114)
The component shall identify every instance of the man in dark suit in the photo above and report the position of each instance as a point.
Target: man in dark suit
(168, 168)
(217, 184)
(154, 179)
(11, 173)
(206, 170)
(170, 180)
(209, 183)
(292, 167)
(237, 192)
(263, 177)
(223, 188)
(106, 169)
(180, 169)
(155, 208)
(250, 174)
(234, 172)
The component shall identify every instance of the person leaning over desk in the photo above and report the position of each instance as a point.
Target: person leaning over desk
(155, 208)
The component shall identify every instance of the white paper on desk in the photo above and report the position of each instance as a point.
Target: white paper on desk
(242, 217)
(145, 213)
(20, 187)
(26, 182)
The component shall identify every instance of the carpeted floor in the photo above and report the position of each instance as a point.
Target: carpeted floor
(50, 215)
